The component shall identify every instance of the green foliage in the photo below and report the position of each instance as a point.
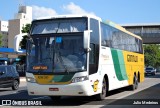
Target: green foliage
(24, 40)
(26, 28)
(152, 55)
(0, 40)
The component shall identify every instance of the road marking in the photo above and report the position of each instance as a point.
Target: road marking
(128, 93)
(142, 86)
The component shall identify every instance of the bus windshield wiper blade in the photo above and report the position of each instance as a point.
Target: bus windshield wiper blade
(58, 27)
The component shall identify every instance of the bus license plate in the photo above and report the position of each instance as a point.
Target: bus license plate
(53, 89)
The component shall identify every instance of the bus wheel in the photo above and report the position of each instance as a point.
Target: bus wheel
(102, 95)
(135, 83)
(55, 98)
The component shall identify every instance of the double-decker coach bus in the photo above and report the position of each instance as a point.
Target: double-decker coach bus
(80, 55)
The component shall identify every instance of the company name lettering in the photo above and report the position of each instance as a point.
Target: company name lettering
(132, 58)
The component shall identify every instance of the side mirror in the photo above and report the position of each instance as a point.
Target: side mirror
(2, 72)
(17, 39)
(86, 40)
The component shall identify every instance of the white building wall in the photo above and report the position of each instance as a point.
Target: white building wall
(15, 29)
(23, 17)
(4, 26)
(4, 32)
(25, 12)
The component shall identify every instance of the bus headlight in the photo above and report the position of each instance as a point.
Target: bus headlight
(79, 79)
(30, 79)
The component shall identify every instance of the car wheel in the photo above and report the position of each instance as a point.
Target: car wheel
(154, 73)
(15, 85)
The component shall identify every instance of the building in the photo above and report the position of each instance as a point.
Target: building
(4, 33)
(150, 33)
(23, 17)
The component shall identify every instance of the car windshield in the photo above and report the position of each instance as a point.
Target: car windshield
(149, 68)
(2, 69)
(58, 53)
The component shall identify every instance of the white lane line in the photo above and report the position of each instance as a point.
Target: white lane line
(128, 93)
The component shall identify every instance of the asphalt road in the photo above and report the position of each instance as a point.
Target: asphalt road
(147, 95)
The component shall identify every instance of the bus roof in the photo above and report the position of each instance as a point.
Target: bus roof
(120, 28)
(90, 16)
(70, 16)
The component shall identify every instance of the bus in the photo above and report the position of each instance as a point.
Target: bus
(81, 55)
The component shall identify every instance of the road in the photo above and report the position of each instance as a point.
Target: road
(146, 95)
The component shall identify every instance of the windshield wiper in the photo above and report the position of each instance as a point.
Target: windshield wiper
(58, 27)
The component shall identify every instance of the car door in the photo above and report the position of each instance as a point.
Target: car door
(10, 75)
(14, 72)
(3, 78)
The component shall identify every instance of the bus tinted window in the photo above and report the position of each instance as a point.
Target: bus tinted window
(94, 45)
(106, 33)
(95, 31)
(59, 26)
(114, 38)
(92, 54)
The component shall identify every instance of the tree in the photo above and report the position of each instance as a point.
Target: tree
(26, 28)
(24, 40)
(1, 40)
(152, 55)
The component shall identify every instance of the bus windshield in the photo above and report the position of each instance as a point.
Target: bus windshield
(66, 25)
(56, 54)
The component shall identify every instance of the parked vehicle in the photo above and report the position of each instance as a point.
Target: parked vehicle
(9, 77)
(150, 70)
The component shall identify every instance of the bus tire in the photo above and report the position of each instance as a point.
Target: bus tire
(55, 98)
(102, 95)
(135, 83)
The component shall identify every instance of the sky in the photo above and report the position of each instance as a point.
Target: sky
(118, 11)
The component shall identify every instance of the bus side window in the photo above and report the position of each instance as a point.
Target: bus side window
(92, 54)
(140, 46)
(93, 65)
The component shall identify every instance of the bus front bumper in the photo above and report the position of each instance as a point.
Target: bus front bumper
(73, 89)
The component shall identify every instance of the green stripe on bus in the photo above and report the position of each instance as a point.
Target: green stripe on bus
(67, 78)
(62, 78)
(58, 78)
(116, 64)
(122, 66)
(119, 66)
